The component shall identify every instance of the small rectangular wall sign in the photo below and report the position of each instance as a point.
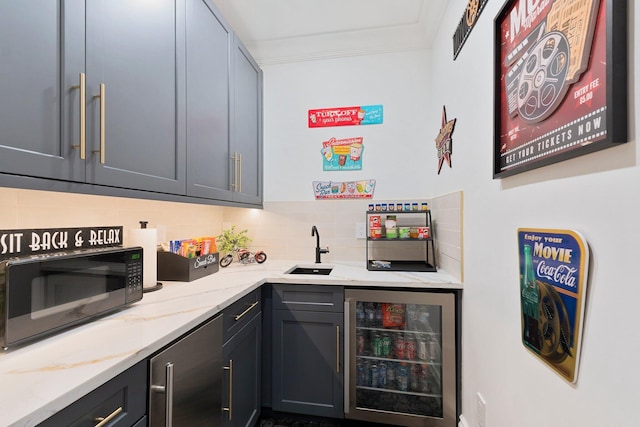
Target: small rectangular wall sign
(345, 116)
(47, 240)
(342, 154)
(362, 189)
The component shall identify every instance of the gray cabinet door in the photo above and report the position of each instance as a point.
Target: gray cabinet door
(209, 40)
(241, 386)
(246, 137)
(308, 363)
(136, 49)
(41, 58)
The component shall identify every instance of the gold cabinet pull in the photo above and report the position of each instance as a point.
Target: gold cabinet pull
(82, 86)
(338, 349)
(102, 122)
(239, 173)
(230, 408)
(239, 316)
(103, 421)
(235, 186)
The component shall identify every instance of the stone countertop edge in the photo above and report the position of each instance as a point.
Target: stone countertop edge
(41, 378)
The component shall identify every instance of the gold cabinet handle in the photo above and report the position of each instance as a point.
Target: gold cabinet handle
(82, 85)
(239, 316)
(102, 122)
(103, 421)
(239, 173)
(235, 186)
(230, 408)
(338, 349)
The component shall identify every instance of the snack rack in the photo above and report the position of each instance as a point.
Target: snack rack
(415, 252)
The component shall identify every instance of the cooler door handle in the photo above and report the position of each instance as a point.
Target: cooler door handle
(347, 361)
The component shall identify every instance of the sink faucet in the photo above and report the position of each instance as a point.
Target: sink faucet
(319, 250)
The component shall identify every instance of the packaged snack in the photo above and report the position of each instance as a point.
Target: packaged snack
(393, 315)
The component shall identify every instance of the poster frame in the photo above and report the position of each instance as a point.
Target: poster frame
(616, 87)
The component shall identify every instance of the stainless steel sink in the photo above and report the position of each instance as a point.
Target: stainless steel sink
(310, 270)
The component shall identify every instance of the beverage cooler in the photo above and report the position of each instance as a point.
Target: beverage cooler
(401, 357)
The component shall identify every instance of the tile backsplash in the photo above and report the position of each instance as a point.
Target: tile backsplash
(281, 229)
(43, 209)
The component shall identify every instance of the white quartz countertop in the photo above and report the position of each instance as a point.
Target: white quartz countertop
(39, 379)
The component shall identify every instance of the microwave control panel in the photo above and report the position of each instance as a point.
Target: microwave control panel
(134, 277)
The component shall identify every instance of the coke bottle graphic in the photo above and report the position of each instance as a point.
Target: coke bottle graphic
(530, 303)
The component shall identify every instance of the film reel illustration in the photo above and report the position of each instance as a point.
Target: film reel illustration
(542, 81)
(554, 325)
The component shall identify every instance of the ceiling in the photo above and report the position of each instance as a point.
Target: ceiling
(280, 31)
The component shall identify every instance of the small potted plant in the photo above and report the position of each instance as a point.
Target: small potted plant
(231, 240)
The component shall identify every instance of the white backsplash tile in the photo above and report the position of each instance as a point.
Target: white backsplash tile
(281, 229)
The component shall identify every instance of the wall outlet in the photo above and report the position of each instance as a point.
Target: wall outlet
(481, 411)
(361, 230)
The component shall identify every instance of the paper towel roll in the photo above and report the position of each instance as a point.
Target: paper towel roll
(148, 239)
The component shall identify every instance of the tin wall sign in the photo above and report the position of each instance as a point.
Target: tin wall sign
(47, 240)
(467, 22)
(362, 189)
(342, 154)
(553, 289)
(560, 84)
(345, 116)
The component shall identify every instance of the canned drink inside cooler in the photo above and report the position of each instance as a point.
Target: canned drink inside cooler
(400, 347)
(410, 348)
(391, 376)
(360, 343)
(386, 345)
(378, 308)
(402, 377)
(375, 375)
(382, 375)
(422, 351)
(377, 345)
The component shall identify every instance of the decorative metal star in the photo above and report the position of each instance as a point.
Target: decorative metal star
(443, 140)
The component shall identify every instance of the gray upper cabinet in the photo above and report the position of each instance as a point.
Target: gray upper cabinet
(224, 111)
(41, 58)
(153, 99)
(246, 136)
(209, 42)
(135, 52)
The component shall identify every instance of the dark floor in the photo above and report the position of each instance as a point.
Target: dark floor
(289, 420)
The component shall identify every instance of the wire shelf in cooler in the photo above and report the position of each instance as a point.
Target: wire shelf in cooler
(391, 359)
(390, 390)
(397, 331)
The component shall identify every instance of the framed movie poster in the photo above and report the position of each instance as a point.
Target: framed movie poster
(553, 289)
(560, 76)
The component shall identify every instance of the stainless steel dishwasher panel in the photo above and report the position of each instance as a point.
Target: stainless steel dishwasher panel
(185, 380)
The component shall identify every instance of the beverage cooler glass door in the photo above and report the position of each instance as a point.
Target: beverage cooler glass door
(402, 358)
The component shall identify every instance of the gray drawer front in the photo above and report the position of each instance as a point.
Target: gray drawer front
(308, 297)
(240, 313)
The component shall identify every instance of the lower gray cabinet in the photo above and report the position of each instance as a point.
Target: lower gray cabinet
(121, 402)
(308, 354)
(241, 384)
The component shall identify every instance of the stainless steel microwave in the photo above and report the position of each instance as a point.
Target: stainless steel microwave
(42, 295)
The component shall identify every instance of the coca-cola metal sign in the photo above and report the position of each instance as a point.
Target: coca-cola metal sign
(552, 289)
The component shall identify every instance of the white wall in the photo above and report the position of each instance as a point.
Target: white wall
(396, 153)
(595, 194)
